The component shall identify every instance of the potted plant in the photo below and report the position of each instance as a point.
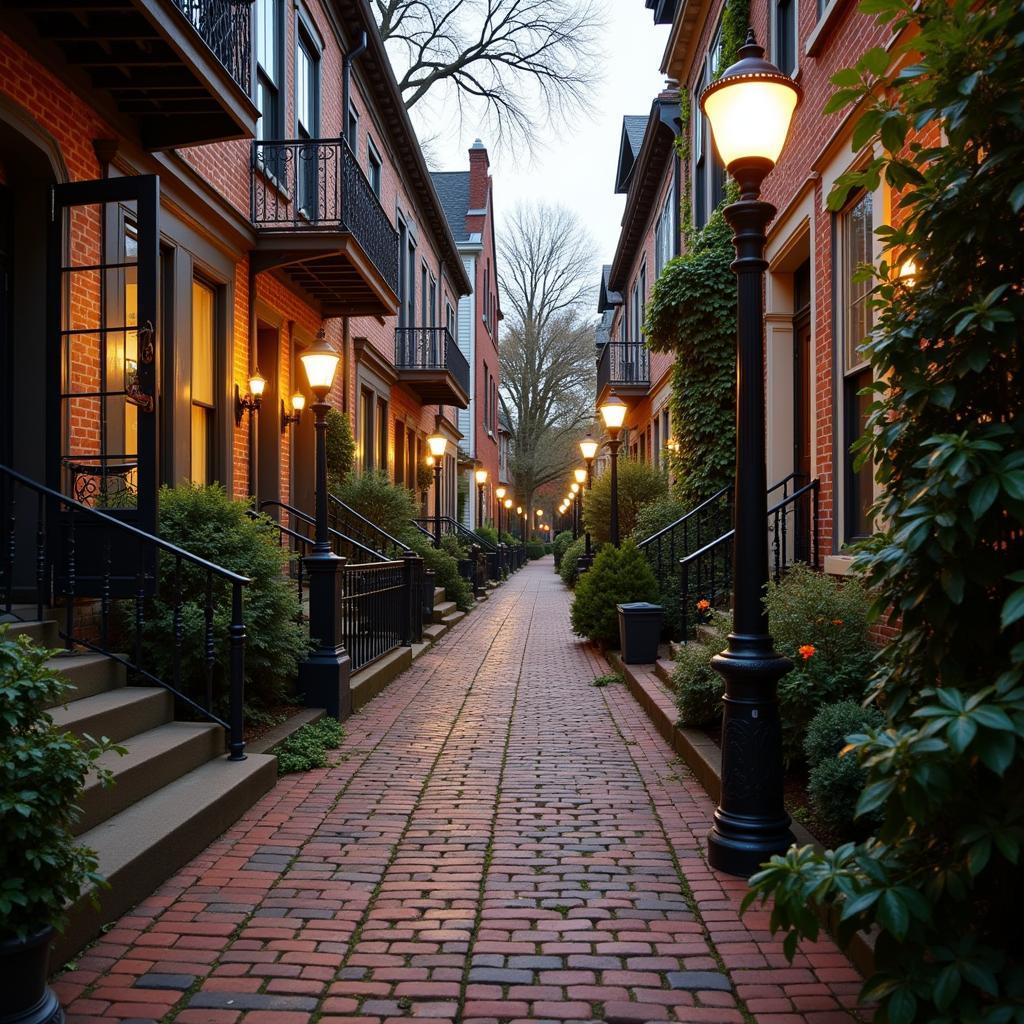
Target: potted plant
(42, 869)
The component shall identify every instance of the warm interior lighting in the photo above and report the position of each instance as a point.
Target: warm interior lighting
(613, 412)
(320, 363)
(481, 477)
(581, 476)
(588, 446)
(298, 402)
(437, 443)
(257, 384)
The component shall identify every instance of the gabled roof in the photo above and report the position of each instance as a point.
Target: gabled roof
(664, 11)
(607, 299)
(633, 128)
(645, 183)
(453, 191)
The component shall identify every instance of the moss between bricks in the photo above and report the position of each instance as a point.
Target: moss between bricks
(307, 747)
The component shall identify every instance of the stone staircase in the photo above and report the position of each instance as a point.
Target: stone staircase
(174, 792)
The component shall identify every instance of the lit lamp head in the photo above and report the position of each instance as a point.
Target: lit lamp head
(437, 443)
(252, 401)
(298, 404)
(540, 512)
(257, 385)
(581, 476)
(519, 510)
(613, 411)
(588, 447)
(750, 108)
(500, 493)
(430, 461)
(574, 487)
(908, 272)
(481, 477)
(508, 504)
(320, 363)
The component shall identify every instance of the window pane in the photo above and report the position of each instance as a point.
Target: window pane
(303, 91)
(857, 239)
(202, 343)
(200, 445)
(266, 36)
(859, 481)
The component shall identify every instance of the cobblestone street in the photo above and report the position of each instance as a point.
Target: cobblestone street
(496, 840)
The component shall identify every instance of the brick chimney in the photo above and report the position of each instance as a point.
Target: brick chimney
(479, 166)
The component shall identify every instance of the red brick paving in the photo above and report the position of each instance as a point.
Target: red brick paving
(497, 840)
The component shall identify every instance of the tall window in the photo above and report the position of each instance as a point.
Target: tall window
(382, 435)
(400, 454)
(366, 435)
(204, 309)
(353, 128)
(664, 234)
(433, 301)
(784, 35)
(425, 311)
(307, 120)
(708, 171)
(855, 239)
(268, 69)
(374, 166)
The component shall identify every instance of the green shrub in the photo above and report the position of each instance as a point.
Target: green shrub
(618, 575)
(549, 548)
(534, 549)
(376, 498)
(42, 772)
(444, 567)
(454, 546)
(569, 567)
(341, 449)
(207, 523)
(489, 534)
(697, 686)
(307, 747)
(836, 779)
(639, 485)
(608, 679)
(559, 545)
(821, 623)
(652, 519)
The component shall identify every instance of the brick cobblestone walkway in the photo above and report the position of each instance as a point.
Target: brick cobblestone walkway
(497, 840)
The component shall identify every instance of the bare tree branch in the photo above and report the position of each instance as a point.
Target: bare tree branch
(511, 64)
(547, 346)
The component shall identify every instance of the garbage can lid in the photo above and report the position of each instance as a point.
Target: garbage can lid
(640, 606)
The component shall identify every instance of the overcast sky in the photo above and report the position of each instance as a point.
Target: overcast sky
(575, 166)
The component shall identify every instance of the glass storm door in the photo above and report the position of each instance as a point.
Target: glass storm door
(102, 357)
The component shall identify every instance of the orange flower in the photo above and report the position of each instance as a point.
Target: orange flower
(807, 651)
(837, 622)
(703, 605)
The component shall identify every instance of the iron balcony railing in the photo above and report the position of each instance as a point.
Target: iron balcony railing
(623, 364)
(73, 549)
(318, 185)
(225, 26)
(431, 348)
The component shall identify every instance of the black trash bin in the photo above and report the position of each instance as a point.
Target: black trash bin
(640, 631)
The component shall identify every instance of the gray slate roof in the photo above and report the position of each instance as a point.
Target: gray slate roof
(636, 127)
(453, 191)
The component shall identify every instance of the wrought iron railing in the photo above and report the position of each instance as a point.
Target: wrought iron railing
(431, 348)
(455, 528)
(706, 574)
(225, 26)
(304, 524)
(623, 363)
(318, 185)
(78, 550)
(348, 521)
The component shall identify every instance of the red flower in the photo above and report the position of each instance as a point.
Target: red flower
(807, 651)
(837, 622)
(703, 605)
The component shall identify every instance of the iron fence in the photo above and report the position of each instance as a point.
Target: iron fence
(225, 26)
(623, 364)
(431, 348)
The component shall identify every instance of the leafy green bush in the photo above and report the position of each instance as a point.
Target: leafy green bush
(207, 523)
(569, 567)
(559, 545)
(376, 498)
(489, 534)
(42, 772)
(656, 515)
(454, 546)
(618, 575)
(639, 485)
(444, 566)
(341, 449)
(697, 686)
(821, 623)
(941, 880)
(534, 549)
(836, 780)
(307, 747)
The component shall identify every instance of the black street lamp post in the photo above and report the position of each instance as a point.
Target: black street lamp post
(324, 675)
(750, 108)
(437, 443)
(481, 483)
(613, 412)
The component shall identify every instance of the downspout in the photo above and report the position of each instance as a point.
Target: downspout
(346, 77)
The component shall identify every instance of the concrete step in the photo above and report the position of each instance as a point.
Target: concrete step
(663, 669)
(434, 631)
(89, 674)
(439, 594)
(154, 759)
(451, 619)
(146, 843)
(44, 633)
(443, 608)
(117, 714)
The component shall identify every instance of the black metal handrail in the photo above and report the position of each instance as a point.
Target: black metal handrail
(341, 543)
(225, 26)
(711, 565)
(318, 185)
(345, 518)
(450, 526)
(623, 363)
(431, 348)
(67, 570)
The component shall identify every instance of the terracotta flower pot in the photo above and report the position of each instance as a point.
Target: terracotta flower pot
(26, 998)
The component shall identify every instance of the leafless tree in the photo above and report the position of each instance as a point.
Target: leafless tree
(546, 269)
(510, 64)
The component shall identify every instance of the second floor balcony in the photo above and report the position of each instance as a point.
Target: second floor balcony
(320, 222)
(175, 72)
(430, 362)
(624, 366)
